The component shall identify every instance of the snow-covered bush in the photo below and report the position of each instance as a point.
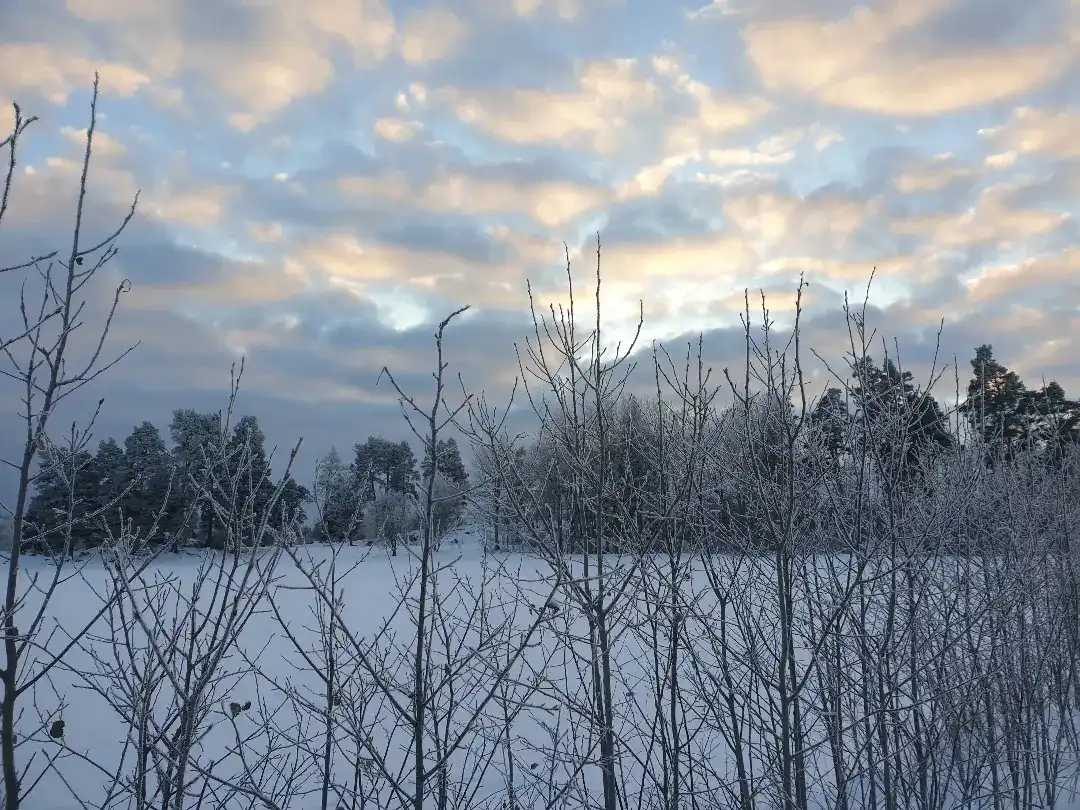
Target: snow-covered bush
(389, 518)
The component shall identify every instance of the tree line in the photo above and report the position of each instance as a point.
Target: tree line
(163, 493)
(144, 483)
(1000, 419)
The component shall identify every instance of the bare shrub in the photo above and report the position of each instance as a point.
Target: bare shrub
(46, 364)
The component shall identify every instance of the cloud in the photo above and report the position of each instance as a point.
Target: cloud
(861, 62)
(938, 173)
(549, 202)
(1038, 280)
(273, 55)
(105, 145)
(596, 113)
(1032, 131)
(56, 74)
(396, 129)
(716, 112)
(323, 181)
(431, 34)
(993, 220)
(560, 9)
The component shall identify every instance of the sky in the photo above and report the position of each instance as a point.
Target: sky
(322, 181)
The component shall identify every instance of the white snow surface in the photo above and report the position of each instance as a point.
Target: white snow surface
(266, 668)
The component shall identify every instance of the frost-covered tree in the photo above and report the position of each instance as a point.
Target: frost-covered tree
(289, 506)
(831, 422)
(110, 469)
(196, 439)
(389, 518)
(448, 462)
(381, 465)
(337, 494)
(451, 481)
(59, 516)
(995, 401)
(248, 474)
(1052, 420)
(890, 405)
(146, 474)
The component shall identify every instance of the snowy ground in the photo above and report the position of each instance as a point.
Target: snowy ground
(279, 659)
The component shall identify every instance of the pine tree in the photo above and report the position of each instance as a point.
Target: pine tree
(908, 423)
(1053, 419)
(251, 488)
(338, 489)
(401, 466)
(382, 465)
(146, 473)
(448, 462)
(110, 470)
(362, 468)
(832, 422)
(66, 494)
(196, 441)
(996, 402)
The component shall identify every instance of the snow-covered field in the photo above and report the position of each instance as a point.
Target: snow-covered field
(304, 697)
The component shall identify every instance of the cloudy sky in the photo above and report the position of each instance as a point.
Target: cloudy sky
(323, 180)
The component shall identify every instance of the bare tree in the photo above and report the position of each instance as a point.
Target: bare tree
(447, 661)
(170, 660)
(46, 368)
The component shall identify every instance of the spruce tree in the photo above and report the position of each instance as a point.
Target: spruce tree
(832, 421)
(65, 496)
(146, 476)
(909, 423)
(996, 402)
(196, 441)
(110, 470)
(338, 489)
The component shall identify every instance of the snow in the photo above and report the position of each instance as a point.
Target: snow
(549, 735)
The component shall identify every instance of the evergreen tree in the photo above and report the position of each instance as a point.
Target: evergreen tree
(290, 503)
(250, 487)
(338, 489)
(110, 468)
(996, 402)
(401, 475)
(631, 445)
(448, 462)
(908, 423)
(196, 441)
(452, 481)
(490, 461)
(832, 422)
(66, 494)
(384, 466)
(1053, 418)
(146, 474)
